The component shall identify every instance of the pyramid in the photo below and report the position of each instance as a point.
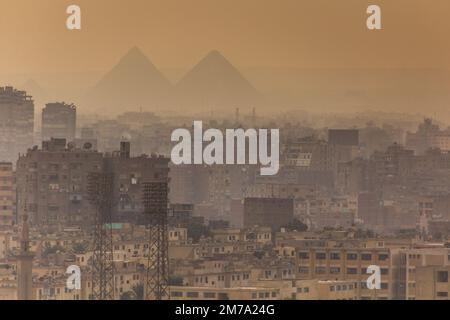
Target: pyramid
(133, 83)
(214, 83)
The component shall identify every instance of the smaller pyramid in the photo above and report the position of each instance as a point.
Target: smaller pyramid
(215, 83)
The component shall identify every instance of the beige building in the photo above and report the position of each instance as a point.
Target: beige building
(432, 283)
(423, 259)
(237, 293)
(350, 264)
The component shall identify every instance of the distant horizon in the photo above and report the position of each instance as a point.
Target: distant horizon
(69, 86)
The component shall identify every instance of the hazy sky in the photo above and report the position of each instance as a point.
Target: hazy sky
(250, 33)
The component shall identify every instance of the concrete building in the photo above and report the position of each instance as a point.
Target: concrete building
(268, 212)
(420, 276)
(344, 137)
(7, 194)
(52, 183)
(432, 283)
(130, 174)
(16, 123)
(237, 293)
(350, 264)
(59, 121)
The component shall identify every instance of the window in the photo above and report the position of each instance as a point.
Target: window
(442, 294)
(303, 270)
(335, 256)
(352, 256)
(366, 256)
(383, 257)
(176, 294)
(306, 290)
(384, 286)
(442, 276)
(335, 270)
(303, 255)
(384, 271)
(321, 270)
(321, 255)
(209, 295)
(223, 296)
(352, 271)
(192, 295)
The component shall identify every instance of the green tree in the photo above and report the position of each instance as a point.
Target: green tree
(196, 231)
(138, 290)
(296, 225)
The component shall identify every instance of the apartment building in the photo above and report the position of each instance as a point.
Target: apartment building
(334, 263)
(59, 121)
(237, 293)
(7, 195)
(16, 123)
(268, 212)
(52, 183)
(130, 174)
(432, 283)
(423, 260)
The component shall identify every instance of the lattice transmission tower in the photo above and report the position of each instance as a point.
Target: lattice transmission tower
(155, 208)
(100, 191)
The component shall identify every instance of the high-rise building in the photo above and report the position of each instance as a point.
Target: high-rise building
(16, 123)
(268, 212)
(52, 183)
(369, 208)
(7, 194)
(59, 121)
(130, 174)
(343, 137)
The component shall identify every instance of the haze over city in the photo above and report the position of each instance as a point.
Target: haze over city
(311, 55)
(224, 150)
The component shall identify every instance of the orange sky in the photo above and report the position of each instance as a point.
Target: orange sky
(177, 33)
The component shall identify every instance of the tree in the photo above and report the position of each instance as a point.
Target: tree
(138, 291)
(80, 247)
(196, 231)
(296, 225)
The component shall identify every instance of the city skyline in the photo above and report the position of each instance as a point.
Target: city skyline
(224, 150)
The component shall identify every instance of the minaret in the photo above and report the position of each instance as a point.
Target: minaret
(25, 264)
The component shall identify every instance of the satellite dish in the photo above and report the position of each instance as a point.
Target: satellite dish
(87, 146)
